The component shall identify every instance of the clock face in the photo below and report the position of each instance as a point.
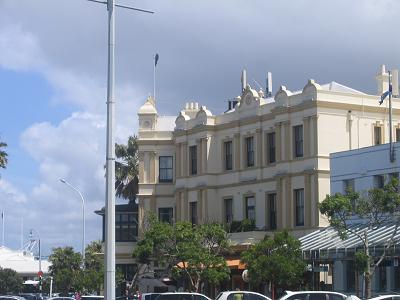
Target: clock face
(248, 99)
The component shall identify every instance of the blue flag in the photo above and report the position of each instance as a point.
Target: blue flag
(384, 95)
(156, 59)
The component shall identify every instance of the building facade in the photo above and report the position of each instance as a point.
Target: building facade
(358, 170)
(266, 159)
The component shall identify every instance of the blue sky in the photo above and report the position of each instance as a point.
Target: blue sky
(53, 82)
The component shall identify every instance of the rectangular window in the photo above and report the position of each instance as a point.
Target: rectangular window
(271, 147)
(397, 134)
(348, 186)
(377, 135)
(272, 211)
(298, 140)
(228, 155)
(193, 160)
(126, 229)
(250, 151)
(165, 169)
(193, 212)
(165, 214)
(299, 204)
(251, 208)
(379, 181)
(228, 203)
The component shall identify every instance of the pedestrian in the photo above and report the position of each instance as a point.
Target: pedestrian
(77, 296)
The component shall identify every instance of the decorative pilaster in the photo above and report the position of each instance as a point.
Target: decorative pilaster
(278, 141)
(236, 138)
(259, 156)
(185, 168)
(178, 160)
(307, 140)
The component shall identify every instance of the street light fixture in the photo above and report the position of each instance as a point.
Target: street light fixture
(83, 215)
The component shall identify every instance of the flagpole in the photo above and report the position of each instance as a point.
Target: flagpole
(154, 78)
(2, 217)
(391, 154)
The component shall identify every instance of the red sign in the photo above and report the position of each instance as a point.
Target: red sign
(40, 273)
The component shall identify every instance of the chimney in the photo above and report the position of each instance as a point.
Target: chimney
(268, 89)
(244, 80)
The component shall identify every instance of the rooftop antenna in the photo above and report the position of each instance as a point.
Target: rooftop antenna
(244, 80)
(109, 282)
(268, 89)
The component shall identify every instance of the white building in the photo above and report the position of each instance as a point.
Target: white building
(23, 262)
(364, 168)
(266, 159)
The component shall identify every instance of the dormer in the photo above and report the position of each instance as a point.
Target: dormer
(249, 99)
(148, 115)
(180, 122)
(203, 117)
(282, 96)
(310, 89)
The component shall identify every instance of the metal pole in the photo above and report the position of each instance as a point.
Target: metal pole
(40, 270)
(391, 154)
(83, 216)
(109, 284)
(51, 286)
(2, 217)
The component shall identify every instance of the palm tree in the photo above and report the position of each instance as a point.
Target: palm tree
(126, 169)
(3, 155)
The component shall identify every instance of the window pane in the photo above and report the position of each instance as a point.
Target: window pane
(193, 159)
(298, 140)
(377, 135)
(299, 203)
(250, 151)
(228, 155)
(193, 212)
(228, 210)
(250, 208)
(271, 147)
(165, 169)
(272, 211)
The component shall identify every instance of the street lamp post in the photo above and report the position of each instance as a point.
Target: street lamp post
(40, 273)
(83, 215)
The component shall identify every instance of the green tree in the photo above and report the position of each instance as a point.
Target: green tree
(93, 273)
(126, 169)
(10, 281)
(277, 260)
(374, 207)
(66, 270)
(192, 252)
(3, 155)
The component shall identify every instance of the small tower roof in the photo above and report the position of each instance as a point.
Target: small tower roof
(148, 107)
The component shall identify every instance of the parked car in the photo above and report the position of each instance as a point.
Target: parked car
(182, 296)
(313, 295)
(11, 297)
(149, 296)
(241, 295)
(386, 297)
(92, 297)
(61, 298)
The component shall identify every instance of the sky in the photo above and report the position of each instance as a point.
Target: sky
(53, 76)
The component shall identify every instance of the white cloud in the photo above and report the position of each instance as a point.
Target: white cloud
(9, 193)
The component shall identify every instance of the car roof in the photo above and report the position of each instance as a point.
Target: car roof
(247, 292)
(312, 292)
(383, 297)
(182, 293)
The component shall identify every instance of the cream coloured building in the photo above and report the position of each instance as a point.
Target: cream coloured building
(266, 159)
